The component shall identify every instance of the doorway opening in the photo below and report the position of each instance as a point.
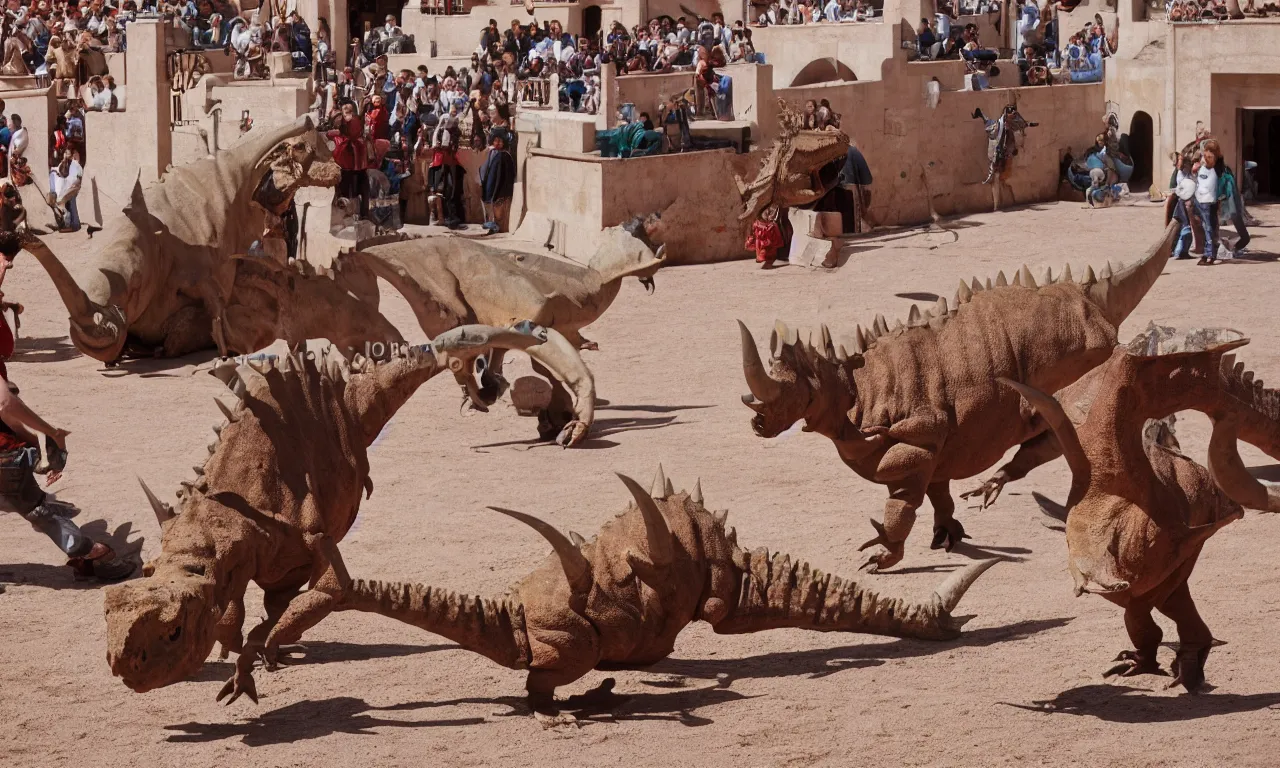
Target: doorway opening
(591, 22)
(1141, 138)
(1260, 134)
(371, 12)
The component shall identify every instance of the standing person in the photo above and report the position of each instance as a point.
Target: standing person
(855, 179)
(67, 186)
(1231, 205)
(19, 453)
(497, 183)
(18, 138)
(765, 237)
(351, 154)
(1206, 172)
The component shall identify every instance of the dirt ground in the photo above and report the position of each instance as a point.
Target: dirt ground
(1022, 686)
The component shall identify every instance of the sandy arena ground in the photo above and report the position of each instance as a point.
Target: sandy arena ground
(1022, 687)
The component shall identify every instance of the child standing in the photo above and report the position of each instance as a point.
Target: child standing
(1206, 172)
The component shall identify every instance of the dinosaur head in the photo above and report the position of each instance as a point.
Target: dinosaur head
(629, 251)
(302, 161)
(802, 380)
(98, 329)
(160, 628)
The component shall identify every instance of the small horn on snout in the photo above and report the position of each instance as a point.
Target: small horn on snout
(661, 253)
(759, 381)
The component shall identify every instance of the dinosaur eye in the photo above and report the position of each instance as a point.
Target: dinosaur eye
(175, 633)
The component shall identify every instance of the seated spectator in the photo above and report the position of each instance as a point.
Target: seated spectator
(926, 42)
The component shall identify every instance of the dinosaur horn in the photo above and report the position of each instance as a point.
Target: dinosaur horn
(576, 567)
(761, 384)
(951, 590)
(164, 512)
(1052, 412)
(655, 524)
(1231, 475)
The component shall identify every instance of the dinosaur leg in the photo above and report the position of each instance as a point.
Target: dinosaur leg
(947, 531)
(559, 413)
(190, 329)
(309, 608)
(899, 517)
(242, 681)
(1041, 449)
(1194, 638)
(231, 628)
(1146, 635)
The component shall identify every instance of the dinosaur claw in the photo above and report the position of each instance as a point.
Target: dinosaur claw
(238, 684)
(571, 434)
(1132, 664)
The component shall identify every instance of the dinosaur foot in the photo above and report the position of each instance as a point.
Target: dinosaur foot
(1188, 668)
(275, 657)
(887, 554)
(565, 430)
(240, 683)
(948, 535)
(572, 434)
(547, 712)
(1134, 663)
(989, 491)
(589, 346)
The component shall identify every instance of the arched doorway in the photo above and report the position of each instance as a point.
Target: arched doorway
(1141, 137)
(829, 70)
(591, 22)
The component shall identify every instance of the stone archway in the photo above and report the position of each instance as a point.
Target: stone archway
(828, 70)
(1141, 149)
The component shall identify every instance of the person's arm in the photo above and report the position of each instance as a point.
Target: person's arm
(18, 416)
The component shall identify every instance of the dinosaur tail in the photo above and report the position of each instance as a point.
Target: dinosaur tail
(492, 628)
(1052, 412)
(1257, 408)
(777, 593)
(1118, 294)
(1229, 472)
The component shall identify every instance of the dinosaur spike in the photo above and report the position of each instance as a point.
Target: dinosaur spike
(842, 354)
(913, 317)
(213, 447)
(696, 496)
(977, 285)
(198, 469)
(671, 490)
(859, 340)
(658, 489)
(577, 539)
(1017, 277)
(217, 430)
(731, 536)
(164, 512)
(1105, 273)
(1247, 378)
(659, 535)
(1047, 278)
(231, 417)
(828, 349)
(881, 327)
(721, 517)
(940, 309)
(1088, 278)
(1228, 363)
(989, 285)
(786, 336)
(964, 294)
(1027, 280)
(1001, 280)
(1065, 277)
(575, 565)
(1239, 370)
(951, 590)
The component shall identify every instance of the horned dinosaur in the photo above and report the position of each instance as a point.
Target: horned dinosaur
(621, 599)
(1255, 407)
(449, 281)
(279, 490)
(176, 273)
(799, 168)
(1139, 513)
(916, 407)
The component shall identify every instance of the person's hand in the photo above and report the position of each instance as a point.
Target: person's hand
(59, 437)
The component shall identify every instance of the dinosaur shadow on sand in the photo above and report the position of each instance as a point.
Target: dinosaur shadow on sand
(609, 426)
(1128, 704)
(60, 576)
(44, 349)
(151, 367)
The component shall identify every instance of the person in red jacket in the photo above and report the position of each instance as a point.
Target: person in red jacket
(377, 120)
(20, 454)
(351, 154)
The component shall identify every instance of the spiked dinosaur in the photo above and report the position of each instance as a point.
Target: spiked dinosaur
(1139, 512)
(449, 281)
(800, 168)
(173, 276)
(279, 491)
(620, 599)
(916, 407)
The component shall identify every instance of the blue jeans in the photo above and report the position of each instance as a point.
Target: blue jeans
(1207, 216)
(73, 214)
(1182, 248)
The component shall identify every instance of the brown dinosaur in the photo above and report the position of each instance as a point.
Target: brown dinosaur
(799, 168)
(1139, 513)
(450, 281)
(917, 407)
(280, 489)
(1256, 409)
(621, 599)
(177, 272)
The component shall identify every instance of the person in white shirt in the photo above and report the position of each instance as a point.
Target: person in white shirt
(66, 187)
(1206, 174)
(831, 12)
(18, 139)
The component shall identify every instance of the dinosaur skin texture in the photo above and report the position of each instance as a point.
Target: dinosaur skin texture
(1139, 512)
(620, 600)
(450, 281)
(173, 276)
(917, 407)
(791, 174)
(1255, 408)
(280, 489)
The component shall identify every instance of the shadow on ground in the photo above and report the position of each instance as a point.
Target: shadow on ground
(1127, 704)
(60, 576)
(43, 349)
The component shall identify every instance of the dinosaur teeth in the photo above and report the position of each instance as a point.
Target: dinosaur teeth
(1089, 278)
(842, 354)
(1027, 280)
(1065, 277)
(963, 294)
(1001, 280)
